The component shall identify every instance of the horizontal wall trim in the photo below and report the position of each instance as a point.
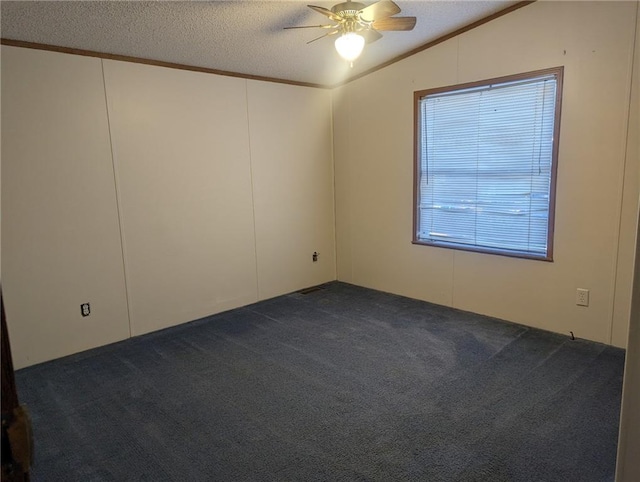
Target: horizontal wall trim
(193, 68)
(439, 40)
(157, 63)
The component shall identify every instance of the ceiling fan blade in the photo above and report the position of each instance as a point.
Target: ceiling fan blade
(379, 10)
(323, 36)
(327, 12)
(310, 26)
(395, 23)
(370, 35)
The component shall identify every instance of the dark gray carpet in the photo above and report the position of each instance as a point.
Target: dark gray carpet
(343, 383)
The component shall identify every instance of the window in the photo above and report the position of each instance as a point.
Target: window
(485, 164)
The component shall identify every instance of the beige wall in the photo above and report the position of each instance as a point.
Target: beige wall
(203, 192)
(181, 151)
(291, 159)
(60, 234)
(373, 118)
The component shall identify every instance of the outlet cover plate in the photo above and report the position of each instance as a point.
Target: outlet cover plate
(582, 297)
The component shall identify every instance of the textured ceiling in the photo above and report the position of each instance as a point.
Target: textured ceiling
(245, 37)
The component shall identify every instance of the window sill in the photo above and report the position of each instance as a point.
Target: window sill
(485, 250)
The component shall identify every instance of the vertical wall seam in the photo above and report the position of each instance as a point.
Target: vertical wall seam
(622, 177)
(335, 192)
(350, 177)
(253, 196)
(118, 203)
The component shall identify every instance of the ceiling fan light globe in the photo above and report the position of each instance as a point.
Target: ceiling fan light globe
(350, 45)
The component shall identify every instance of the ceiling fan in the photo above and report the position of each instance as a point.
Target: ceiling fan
(358, 24)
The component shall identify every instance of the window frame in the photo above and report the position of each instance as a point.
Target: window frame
(419, 95)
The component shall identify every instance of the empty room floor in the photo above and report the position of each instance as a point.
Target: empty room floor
(342, 383)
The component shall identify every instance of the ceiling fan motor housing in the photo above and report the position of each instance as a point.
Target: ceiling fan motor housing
(348, 10)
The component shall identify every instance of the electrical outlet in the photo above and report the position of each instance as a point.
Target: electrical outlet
(582, 297)
(85, 309)
(314, 256)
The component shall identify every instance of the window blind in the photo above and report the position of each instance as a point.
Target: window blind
(485, 172)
